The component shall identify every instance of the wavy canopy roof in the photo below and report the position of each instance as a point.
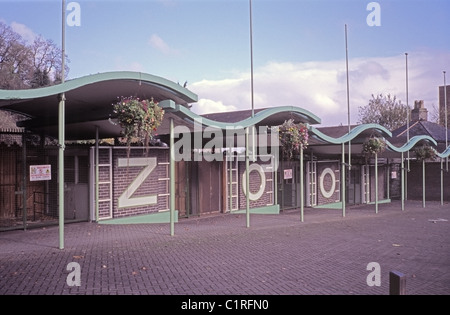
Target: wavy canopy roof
(89, 102)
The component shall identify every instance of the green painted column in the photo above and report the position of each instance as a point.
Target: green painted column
(376, 183)
(302, 201)
(24, 182)
(172, 179)
(403, 183)
(343, 180)
(97, 159)
(423, 183)
(442, 182)
(61, 131)
(230, 178)
(61, 147)
(275, 176)
(247, 179)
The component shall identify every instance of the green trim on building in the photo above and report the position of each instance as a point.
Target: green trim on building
(248, 122)
(355, 132)
(160, 217)
(96, 78)
(274, 209)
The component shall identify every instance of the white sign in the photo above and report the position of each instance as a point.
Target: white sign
(40, 172)
(288, 174)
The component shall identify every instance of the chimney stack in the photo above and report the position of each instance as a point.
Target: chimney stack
(419, 112)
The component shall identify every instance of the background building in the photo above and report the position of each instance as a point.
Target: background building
(442, 104)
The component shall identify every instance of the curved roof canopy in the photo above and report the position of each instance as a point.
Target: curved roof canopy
(89, 102)
(273, 116)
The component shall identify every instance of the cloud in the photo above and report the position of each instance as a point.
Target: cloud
(120, 65)
(27, 34)
(205, 106)
(321, 87)
(157, 42)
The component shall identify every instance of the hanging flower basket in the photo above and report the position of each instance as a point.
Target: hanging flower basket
(293, 137)
(424, 153)
(373, 145)
(138, 118)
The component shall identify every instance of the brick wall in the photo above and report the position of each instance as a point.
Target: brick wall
(149, 195)
(256, 185)
(327, 182)
(432, 182)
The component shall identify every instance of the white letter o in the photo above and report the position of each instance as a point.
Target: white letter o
(329, 193)
(260, 192)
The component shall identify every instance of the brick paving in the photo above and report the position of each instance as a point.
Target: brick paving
(218, 255)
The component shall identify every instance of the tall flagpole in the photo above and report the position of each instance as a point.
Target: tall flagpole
(348, 99)
(407, 105)
(407, 130)
(251, 58)
(446, 120)
(61, 135)
(247, 147)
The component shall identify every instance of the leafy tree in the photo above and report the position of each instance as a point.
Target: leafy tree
(386, 111)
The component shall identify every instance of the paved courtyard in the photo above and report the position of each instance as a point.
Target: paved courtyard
(218, 255)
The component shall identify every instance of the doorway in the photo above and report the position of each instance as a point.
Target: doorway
(354, 186)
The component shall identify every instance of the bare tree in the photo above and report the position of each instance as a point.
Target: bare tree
(14, 60)
(25, 66)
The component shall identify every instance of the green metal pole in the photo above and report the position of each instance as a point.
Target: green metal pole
(247, 179)
(403, 183)
(24, 180)
(423, 183)
(376, 183)
(275, 175)
(388, 180)
(61, 142)
(442, 182)
(406, 178)
(231, 181)
(172, 179)
(97, 159)
(302, 202)
(61, 135)
(343, 180)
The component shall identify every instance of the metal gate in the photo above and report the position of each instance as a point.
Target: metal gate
(27, 198)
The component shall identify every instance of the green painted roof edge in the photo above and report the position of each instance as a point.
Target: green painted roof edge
(95, 78)
(444, 154)
(351, 135)
(410, 144)
(251, 121)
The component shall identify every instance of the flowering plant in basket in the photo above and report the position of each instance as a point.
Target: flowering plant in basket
(293, 137)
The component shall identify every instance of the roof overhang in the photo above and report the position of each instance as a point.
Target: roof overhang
(88, 102)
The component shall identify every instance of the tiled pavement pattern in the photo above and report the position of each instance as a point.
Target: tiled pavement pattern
(218, 255)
